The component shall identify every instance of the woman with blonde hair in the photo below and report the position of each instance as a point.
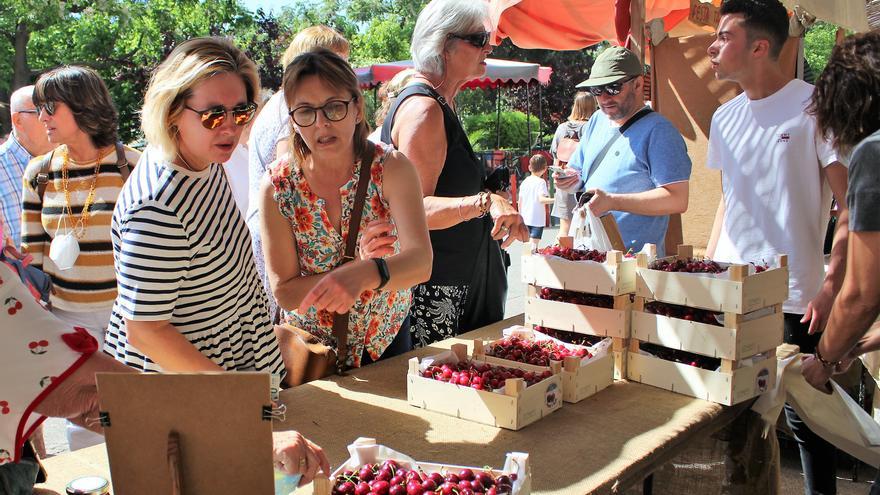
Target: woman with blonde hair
(190, 299)
(565, 141)
(271, 130)
(469, 283)
(309, 213)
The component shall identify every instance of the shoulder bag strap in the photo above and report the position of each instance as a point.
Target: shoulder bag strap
(43, 175)
(340, 321)
(122, 162)
(601, 156)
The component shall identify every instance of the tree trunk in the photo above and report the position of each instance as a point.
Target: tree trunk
(21, 73)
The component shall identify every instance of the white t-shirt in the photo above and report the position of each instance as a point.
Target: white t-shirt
(530, 206)
(776, 201)
(183, 254)
(237, 173)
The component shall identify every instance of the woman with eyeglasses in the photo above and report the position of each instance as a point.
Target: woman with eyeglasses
(468, 285)
(69, 195)
(308, 201)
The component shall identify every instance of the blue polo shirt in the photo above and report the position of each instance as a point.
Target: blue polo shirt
(651, 153)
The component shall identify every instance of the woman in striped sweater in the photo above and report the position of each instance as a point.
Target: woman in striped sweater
(69, 195)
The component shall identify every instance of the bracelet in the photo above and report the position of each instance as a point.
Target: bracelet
(384, 274)
(484, 202)
(461, 202)
(823, 361)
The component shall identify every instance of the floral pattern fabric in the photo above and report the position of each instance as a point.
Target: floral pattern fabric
(376, 316)
(436, 312)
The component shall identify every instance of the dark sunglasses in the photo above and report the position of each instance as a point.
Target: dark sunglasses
(479, 40)
(214, 117)
(48, 107)
(334, 110)
(612, 89)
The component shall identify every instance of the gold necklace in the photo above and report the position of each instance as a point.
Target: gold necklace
(82, 223)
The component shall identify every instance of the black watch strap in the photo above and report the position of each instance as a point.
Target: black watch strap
(384, 274)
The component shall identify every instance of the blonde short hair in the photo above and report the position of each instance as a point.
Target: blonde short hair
(319, 36)
(583, 107)
(172, 83)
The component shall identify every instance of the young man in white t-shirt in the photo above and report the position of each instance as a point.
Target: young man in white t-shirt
(533, 195)
(778, 174)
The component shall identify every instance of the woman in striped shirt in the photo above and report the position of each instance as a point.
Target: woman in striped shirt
(69, 195)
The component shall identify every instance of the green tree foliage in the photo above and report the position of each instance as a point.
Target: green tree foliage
(512, 125)
(818, 43)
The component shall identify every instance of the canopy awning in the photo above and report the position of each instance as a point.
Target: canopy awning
(498, 73)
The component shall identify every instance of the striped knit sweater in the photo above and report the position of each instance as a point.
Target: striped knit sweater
(90, 285)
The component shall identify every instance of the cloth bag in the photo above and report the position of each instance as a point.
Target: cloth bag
(305, 357)
(588, 231)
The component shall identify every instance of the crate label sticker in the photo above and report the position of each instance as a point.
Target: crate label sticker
(552, 395)
(762, 381)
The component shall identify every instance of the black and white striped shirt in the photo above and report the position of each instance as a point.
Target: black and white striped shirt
(182, 253)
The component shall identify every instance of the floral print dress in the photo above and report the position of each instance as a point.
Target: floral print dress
(376, 316)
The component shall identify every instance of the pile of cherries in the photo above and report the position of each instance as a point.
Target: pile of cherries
(689, 358)
(690, 265)
(574, 254)
(683, 312)
(532, 351)
(481, 376)
(390, 478)
(570, 337)
(763, 267)
(582, 298)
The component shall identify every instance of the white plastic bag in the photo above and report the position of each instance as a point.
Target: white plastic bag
(588, 231)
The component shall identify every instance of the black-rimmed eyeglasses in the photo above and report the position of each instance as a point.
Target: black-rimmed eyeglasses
(479, 40)
(612, 89)
(333, 110)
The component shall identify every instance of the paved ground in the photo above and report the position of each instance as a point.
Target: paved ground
(698, 470)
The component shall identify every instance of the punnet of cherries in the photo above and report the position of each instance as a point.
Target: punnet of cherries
(574, 254)
(581, 298)
(689, 358)
(390, 478)
(481, 376)
(690, 265)
(570, 337)
(538, 353)
(683, 312)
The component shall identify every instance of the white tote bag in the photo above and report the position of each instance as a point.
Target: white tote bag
(588, 231)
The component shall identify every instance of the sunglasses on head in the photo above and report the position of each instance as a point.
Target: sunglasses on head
(214, 117)
(333, 110)
(612, 89)
(47, 106)
(479, 40)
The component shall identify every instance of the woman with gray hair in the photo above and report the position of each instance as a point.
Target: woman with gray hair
(468, 284)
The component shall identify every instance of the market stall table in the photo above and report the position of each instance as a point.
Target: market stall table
(603, 444)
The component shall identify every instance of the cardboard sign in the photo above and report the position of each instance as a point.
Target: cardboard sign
(704, 14)
(209, 431)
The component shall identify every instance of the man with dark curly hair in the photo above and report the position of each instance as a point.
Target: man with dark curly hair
(778, 175)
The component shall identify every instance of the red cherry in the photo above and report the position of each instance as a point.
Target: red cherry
(11, 311)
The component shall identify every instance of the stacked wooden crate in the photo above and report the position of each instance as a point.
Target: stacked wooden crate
(742, 343)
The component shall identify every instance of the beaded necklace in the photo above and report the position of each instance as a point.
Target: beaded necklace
(82, 223)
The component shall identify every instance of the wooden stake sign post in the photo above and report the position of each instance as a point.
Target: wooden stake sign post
(188, 434)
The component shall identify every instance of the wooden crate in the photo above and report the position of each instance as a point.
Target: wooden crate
(590, 320)
(368, 451)
(736, 340)
(616, 276)
(726, 386)
(578, 382)
(517, 407)
(740, 293)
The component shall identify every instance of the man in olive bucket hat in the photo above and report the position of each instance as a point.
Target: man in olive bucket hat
(632, 159)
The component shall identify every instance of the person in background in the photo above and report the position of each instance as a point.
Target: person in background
(236, 167)
(307, 203)
(632, 159)
(27, 140)
(468, 284)
(533, 196)
(269, 137)
(565, 142)
(66, 220)
(778, 176)
(387, 93)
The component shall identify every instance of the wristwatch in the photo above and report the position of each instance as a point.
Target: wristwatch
(384, 274)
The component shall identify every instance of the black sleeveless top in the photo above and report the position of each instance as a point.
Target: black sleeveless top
(459, 248)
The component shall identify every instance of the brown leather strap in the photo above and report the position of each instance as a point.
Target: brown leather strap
(42, 177)
(340, 321)
(122, 162)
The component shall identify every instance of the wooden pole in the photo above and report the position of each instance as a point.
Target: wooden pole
(637, 28)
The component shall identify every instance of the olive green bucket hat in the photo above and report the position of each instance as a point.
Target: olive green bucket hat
(612, 65)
